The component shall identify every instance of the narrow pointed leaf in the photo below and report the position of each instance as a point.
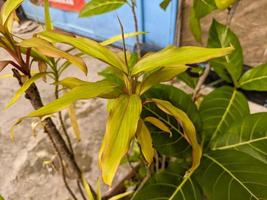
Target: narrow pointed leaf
(175, 56)
(228, 67)
(48, 22)
(188, 128)
(87, 189)
(23, 88)
(249, 135)
(119, 37)
(167, 185)
(8, 7)
(120, 130)
(232, 175)
(145, 141)
(161, 75)
(74, 122)
(175, 146)
(159, 124)
(121, 196)
(72, 82)
(220, 109)
(49, 50)
(255, 79)
(78, 93)
(87, 46)
(97, 7)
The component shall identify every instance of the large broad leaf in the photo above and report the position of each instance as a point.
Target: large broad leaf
(189, 131)
(97, 7)
(87, 91)
(199, 10)
(8, 7)
(120, 130)
(232, 175)
(255, 79)
(24, 87)
(166, 185)
(174, 56)
(175, 145)
(47, 49)
(249, 135)
(87, 46)
(220, 109)
(161, 75)
(229, 67)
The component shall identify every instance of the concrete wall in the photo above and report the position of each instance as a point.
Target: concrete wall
(249, 23)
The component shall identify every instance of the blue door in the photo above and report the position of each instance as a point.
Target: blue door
(160, 25)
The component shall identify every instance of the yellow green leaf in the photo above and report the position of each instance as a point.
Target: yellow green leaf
(23, 88)
(48, 49)
(98, 189)
(119, 37)
(222, 4)
(82, 92)
(175, 56)
(120, 130)
(48, 22)
(87, 46)
(7, 8)
(120, 196)
(159, 124)
(161, 75)
(145, 141)
(72, 82)
(74, 122)
(188, 128)
(87, 189)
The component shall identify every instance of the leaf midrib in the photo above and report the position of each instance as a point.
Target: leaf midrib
(253, 79)
(231, 174)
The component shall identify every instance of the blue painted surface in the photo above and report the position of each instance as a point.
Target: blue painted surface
(159, 24)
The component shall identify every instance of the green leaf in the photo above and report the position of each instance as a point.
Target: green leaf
(97, 7)
(199, 10)
(159, 124)
(232, 175)
(248, 135)
(145, 141)
(120, 130)
(229, 67)
(48, 22)
(189, 131)
(121, 196)
(114, 75)
(1, 198)
(255, 79)
(174, 146)
(164, 4)
(87, 188)
(174, 56)
(86, 91)
(47, 49)
(8, 7)
(87, 46)
(188, 80)
(161, 75)
(220, 109)
(167, 185)
(23, 88)
(119, 37)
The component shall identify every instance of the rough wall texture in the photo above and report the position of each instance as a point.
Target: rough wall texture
(249, 23)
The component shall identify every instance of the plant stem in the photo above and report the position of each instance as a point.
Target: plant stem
(138, 44)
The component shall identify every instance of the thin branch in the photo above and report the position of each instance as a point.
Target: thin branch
(138, 44)
(123, 41)
(80, 189)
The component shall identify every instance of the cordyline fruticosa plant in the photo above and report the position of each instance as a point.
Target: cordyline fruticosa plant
(215, 151)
